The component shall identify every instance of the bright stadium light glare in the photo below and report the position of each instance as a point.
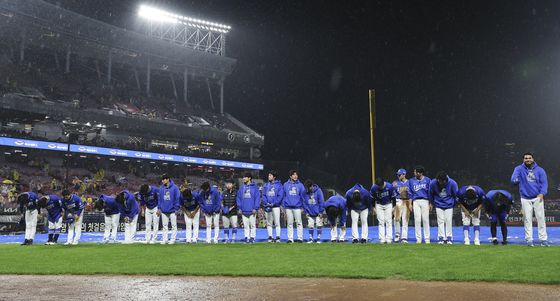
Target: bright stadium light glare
(155, 14)
(158, 15)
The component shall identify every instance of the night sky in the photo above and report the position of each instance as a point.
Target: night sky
(454, 81)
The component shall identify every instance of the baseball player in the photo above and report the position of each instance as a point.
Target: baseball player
(74, 212)
(54, 206)
(229, 212)
(149, 198)
(28, 204)
(112, 212)
(443, 192)
(383, 195)
(419, 192)
(248, 202)
(470, 200)
(403, 206)
(191, 213)
(498, 206)
(292, 203)
(130, 211)
(210, 201)
(168, 204)
(533, 186)
(335, 207)
(359, 203)
(272, 196)
(313, 205)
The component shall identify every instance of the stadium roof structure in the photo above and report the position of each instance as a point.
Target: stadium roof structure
(46, 25)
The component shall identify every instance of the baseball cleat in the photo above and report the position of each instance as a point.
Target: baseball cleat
(505, 242)
(495, 242)
(404, 241)
(545, 243)
(290, 241)
(270, 239)
(477, 242)
(355, 241)
(467, 241)
(363, 240)
(530, 244)
(277, 239)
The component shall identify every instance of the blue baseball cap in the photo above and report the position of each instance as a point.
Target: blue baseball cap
(401, 171)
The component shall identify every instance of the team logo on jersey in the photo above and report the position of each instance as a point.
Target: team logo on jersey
(293, 191)
(531, 177)
(419, 187)
(167, 196)
(312, 200)
(443, 193)
(271, 192)
(209, 200)
(247, 194)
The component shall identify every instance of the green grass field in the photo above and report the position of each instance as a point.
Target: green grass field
(512, 263)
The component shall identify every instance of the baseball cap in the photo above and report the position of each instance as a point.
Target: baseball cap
(401, 171)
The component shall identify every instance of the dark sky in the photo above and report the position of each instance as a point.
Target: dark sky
(454, 80)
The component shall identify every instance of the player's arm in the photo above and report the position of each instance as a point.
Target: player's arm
(515, 178)
(543, 184)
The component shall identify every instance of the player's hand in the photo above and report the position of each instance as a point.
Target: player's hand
(142, 213)
(540, 197)
(254, 211)
(126, 219)
(158, 213)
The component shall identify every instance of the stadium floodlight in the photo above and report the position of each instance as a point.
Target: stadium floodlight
(158, 15)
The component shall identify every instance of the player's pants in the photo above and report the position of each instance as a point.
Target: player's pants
(385, 219)
(210, 219)
(421, 208)
(475, 222)
(165, 219)
(30, 223)
(402, 219)
(111, 226)
(54, 227)
(192, 227)
(363, 216)
(152, 224)
(341, 236)
(75, 229)
(273, 216)
(311, 222)
(130, 230)
(445, 223)
(291, 215)
(528, 206)
(249, 225)
(228, 221)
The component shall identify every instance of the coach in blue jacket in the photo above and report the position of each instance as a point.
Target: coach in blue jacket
(169, 203)
(533, 186)
(443, 191)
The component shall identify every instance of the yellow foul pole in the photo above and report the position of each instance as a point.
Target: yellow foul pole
(371, 128)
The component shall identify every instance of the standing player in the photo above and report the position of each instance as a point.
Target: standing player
(74, 211)
(470, 200)
(335, 207)
(168, 204)
(419, 192)
(53, 204)
(359, 202)
(313, 205)
(383, 195)
(292, 203)
(229, 212)
(112, 212)
(28, 202)
(149, 198)
(443, 191)
(248, 202)
(130, 211)
(210, 201)
(403, 206)
(191, 213)
(533, 186)
(272, 196)
(498, 206)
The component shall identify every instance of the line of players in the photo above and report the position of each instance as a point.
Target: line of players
(393, 202)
